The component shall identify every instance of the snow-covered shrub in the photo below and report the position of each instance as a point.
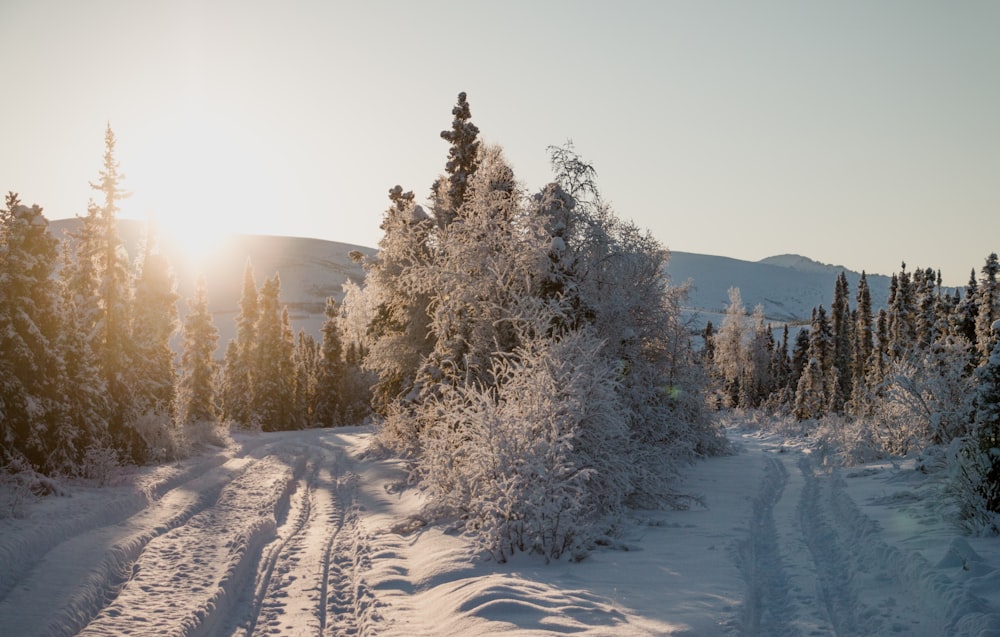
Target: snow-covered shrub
(101, 464)
(539, 461)
(973, 484)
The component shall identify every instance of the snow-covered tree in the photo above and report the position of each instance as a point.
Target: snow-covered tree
(842, 328)
(816, 385)
(730, 359)
(273, 379)
(399, 334)
(112, 333)
(31, 410)
(154, 321)
(196, 387)
(988, 302)
(462, 163)
(237, 384)
(330, 371)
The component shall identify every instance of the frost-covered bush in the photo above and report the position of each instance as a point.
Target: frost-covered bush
(974, 484)
(101, 463)
(539, 461)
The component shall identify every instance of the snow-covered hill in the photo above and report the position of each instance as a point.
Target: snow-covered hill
(788, 286)
(310, 271)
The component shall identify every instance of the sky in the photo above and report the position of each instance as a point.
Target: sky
(856, 133)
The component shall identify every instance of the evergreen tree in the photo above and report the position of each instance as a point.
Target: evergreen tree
(967, 311)
(154, 321)
(708, 338)
(781, 370)
(988, 302)
(305, 379)
(400, 330)
(815, 388)
(864, 344)
(273, 378)
(196, 388)
(330, 372)
(83, 389)
(112, 338)
(31, 416)
(462, 161)
(841, 326)
(987, 421)
(238, 385)
(730, 360)
(800, 359)
(902, 323)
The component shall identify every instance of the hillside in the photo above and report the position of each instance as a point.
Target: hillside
(787, 286)
(310, 271)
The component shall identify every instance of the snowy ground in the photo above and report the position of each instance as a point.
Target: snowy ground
(299, 534)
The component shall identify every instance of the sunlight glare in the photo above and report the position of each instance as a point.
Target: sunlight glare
(201, 180)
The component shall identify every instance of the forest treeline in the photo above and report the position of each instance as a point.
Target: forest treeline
(523, 349)
(87, 374)
(916, 376)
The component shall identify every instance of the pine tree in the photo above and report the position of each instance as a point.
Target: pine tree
(154, 322)
(238, 385)
(330, 372)
(305, 379)
(462, 161)
(273, 378)
(730, 358)
(815, 388)
(400, 330)
(112, 338)
(196, 387)
(902, 316)
(864, 345)
(31, 417)
(841, 326)
(84, 393)
(800, 359)
(988, 302)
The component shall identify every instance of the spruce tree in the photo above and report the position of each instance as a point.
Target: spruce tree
(864, 344)
(273, 378)
(462, 161)
(112, 330)
(196, 387)
(154, 321)
(988, 302)
(238, 385)
(84, 393)
(987, 425)
(31, 416)
(330, 372)
(816, 386)
(841, 326)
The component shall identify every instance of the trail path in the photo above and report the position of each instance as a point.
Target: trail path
(299, 534)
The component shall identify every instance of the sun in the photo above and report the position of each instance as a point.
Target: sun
(199, 178)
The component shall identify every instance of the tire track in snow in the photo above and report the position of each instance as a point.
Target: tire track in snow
(185, 581)
(767, 607)
(290, 587)
(85, 588)
(834, 575)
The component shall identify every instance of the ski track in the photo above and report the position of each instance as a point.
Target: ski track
(269, 537)
(804, 572)
(264, 540)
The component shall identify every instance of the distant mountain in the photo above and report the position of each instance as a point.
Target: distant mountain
(787, 286)
(310, 271)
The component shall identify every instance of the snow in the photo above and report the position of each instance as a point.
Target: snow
(304, 533)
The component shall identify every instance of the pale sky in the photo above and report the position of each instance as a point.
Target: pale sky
(858, 133)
